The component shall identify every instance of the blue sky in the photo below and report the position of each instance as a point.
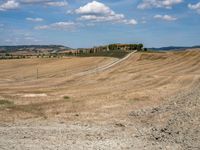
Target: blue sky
(88, 23)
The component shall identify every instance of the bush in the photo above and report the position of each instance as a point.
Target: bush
(66, 97)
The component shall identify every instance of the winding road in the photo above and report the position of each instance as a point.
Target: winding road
(107, 66)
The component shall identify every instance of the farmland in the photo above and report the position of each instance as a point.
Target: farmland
(50, 103)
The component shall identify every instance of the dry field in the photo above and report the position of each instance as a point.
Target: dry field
(148, 101)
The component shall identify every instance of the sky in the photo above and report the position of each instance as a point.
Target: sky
(88, 23)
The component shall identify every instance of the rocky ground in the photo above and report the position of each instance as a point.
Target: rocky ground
(174, 124)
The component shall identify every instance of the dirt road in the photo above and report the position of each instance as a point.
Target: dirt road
(107, 66)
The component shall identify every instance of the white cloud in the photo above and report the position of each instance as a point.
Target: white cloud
(57, 4)
(99, 12)
(32, 1)
(96, 18)
(131, 22)
(44, 27)
(58, 25)
(35, 19)
(195, 7)
(94, 8)
(45, 2)
(158, 3)
(13, 4)
(9, 5)
(165, 17)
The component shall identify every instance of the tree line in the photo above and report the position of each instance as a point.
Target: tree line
(138, 47)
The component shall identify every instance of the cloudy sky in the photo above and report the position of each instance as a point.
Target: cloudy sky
(87, 23)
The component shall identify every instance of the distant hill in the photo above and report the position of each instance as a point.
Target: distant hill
(174, 48)
(33, 49)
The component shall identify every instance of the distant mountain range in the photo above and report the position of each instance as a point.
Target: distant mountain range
(34, 48)
(174, 48)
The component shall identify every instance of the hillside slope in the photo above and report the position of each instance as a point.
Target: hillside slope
(33, 49)
(148, 101)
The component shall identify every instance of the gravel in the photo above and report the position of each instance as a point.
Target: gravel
(174, 124)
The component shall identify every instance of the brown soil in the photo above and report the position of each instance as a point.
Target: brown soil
(145, 102)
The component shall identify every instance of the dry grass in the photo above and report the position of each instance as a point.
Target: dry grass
(155, 75)
(6, 103)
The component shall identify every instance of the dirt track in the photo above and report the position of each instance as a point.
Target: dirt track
(133, 105)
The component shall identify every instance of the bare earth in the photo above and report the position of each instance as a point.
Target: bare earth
(148, 101)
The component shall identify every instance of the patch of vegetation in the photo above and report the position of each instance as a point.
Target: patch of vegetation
(138, 47)
(36, 109)
(31, 108)
(66, 97)
(112, 53)
(6, 103)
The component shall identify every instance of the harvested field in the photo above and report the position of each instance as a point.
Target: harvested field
(148, 101)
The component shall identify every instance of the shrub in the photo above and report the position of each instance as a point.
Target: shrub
(66, 97)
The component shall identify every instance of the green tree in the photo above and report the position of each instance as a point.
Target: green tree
(139, 47)
(112, 47)
(133, 46)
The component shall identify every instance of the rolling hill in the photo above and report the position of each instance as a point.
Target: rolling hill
(33, 48)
